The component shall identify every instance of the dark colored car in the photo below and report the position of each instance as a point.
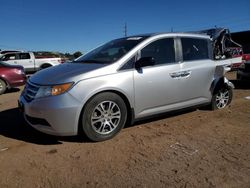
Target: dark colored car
(244, 71)
(11, 76)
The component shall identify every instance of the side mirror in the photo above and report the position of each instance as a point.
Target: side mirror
(144, 62)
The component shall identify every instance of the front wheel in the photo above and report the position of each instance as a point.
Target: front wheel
(222, 98)
(104, 116)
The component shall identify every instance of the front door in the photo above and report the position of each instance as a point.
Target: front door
(157, 87)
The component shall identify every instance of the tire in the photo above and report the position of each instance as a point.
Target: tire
(222, 98)
(44, 66)
(3, 86)
(103, 116)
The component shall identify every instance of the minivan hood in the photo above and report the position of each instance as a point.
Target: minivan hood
(63, 73)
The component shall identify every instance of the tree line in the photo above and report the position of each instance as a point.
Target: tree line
(66, 56)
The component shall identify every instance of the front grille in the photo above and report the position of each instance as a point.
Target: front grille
(30, 91)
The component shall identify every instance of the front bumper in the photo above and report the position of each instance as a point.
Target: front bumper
(55, 115)
(18, 82)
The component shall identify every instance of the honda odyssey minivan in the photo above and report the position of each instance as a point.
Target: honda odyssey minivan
(125, 80)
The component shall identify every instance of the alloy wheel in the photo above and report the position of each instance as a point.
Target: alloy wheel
(222, 98)
(105, 117)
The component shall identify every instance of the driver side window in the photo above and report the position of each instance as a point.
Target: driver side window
(162, 51)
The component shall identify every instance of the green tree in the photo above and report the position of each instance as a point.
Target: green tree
(77, 54)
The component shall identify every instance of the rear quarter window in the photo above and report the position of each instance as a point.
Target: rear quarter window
(24, 56)
(195, 49)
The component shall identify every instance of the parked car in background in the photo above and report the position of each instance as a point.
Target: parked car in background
(11, 76)
(243, 72)
(238, 55)
(123, 81)
(29, 61)
(245, 58)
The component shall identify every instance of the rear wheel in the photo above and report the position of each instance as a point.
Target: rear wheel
(222, 98)
(44, 66)
(104, 116)
(2, 86)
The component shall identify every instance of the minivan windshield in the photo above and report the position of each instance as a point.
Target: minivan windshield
(111, 51)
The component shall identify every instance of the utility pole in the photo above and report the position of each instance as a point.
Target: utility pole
(125, 29)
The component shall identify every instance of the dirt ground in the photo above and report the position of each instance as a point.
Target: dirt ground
(195, 148)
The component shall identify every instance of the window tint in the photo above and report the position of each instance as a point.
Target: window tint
(111, 51)
(194, 49)
(8, 57)
(161, 50)
(24, 56)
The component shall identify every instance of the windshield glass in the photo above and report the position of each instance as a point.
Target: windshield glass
(111, 51)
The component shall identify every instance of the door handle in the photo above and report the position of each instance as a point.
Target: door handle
(181, 74)
(175, 75)
(185, 74)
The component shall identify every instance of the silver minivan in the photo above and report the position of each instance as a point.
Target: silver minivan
(125, 80)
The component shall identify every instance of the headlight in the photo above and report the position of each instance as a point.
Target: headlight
(18, 71)
(45, 91)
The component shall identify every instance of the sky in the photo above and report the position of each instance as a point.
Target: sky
(81, 25)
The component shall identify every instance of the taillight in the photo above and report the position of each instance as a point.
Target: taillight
(246, 57)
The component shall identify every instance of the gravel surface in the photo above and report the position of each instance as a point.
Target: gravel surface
(194, 148)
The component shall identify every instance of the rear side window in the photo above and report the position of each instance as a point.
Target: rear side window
(194, 49)
(24, 56)
(162, 51)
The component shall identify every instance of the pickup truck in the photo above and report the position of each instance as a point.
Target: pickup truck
(29, 61)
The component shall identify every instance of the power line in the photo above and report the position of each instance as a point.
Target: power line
(125, 29)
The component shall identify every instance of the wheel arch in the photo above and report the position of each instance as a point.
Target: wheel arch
(45, 65)
(130, 109)
(219, 83)
(5, 81)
